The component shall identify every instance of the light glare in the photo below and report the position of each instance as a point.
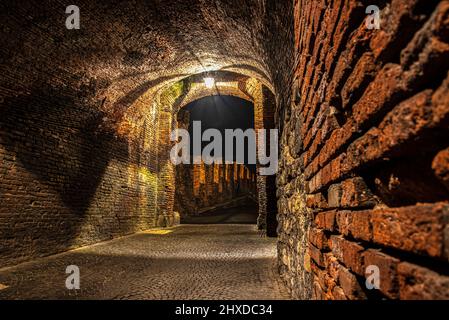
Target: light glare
(209, 82)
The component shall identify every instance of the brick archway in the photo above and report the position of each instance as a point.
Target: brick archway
(177, 96)
(166, 102)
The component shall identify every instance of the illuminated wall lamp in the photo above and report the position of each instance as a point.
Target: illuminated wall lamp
(209, 82)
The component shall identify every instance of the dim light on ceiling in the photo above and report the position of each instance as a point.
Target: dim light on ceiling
(209, 82)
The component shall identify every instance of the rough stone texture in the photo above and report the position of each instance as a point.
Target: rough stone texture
(417, 229)
(363, 168)
(420, 283)
(212, 260)
(441, 167)
(388, 271)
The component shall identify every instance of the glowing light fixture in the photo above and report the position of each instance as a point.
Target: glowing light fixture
(209, 82)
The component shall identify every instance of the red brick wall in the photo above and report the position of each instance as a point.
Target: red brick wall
(200, 187)
(364, 165)
(64, 183)
(84, 114)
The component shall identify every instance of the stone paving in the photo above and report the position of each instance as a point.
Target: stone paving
(190, 262)
(235, 215)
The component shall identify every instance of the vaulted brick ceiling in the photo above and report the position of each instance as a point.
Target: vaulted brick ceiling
(124, 49)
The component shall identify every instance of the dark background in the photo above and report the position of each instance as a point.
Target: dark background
(222, 112)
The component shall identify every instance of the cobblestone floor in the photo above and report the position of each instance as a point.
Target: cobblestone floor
(190, 262)
(237, 215)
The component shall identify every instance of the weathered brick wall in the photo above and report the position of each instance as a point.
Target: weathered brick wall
(83, 119)
(64, 184)
(264, 111)
(196, 189)
(201, 188)
(363, 175)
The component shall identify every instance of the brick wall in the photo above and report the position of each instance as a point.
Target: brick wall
(63, 183)
(363, 174)
(363, 117)
(196, 186)
(84, 113)
(201, 188)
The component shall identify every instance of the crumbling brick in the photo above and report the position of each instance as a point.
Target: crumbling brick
(348, 253)
(388, 271)
(350, 285)
(416, 229)
(418, 283)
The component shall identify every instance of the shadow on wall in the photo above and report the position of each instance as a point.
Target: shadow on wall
(135, 94)
(54, 189)
(57, 142)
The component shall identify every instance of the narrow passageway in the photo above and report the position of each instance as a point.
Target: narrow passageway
(246, 214)
(331, 117)
(226, 261)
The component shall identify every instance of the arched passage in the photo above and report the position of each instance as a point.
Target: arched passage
(202, 188)
(362, 114)
(175, 97)
(99, 102)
